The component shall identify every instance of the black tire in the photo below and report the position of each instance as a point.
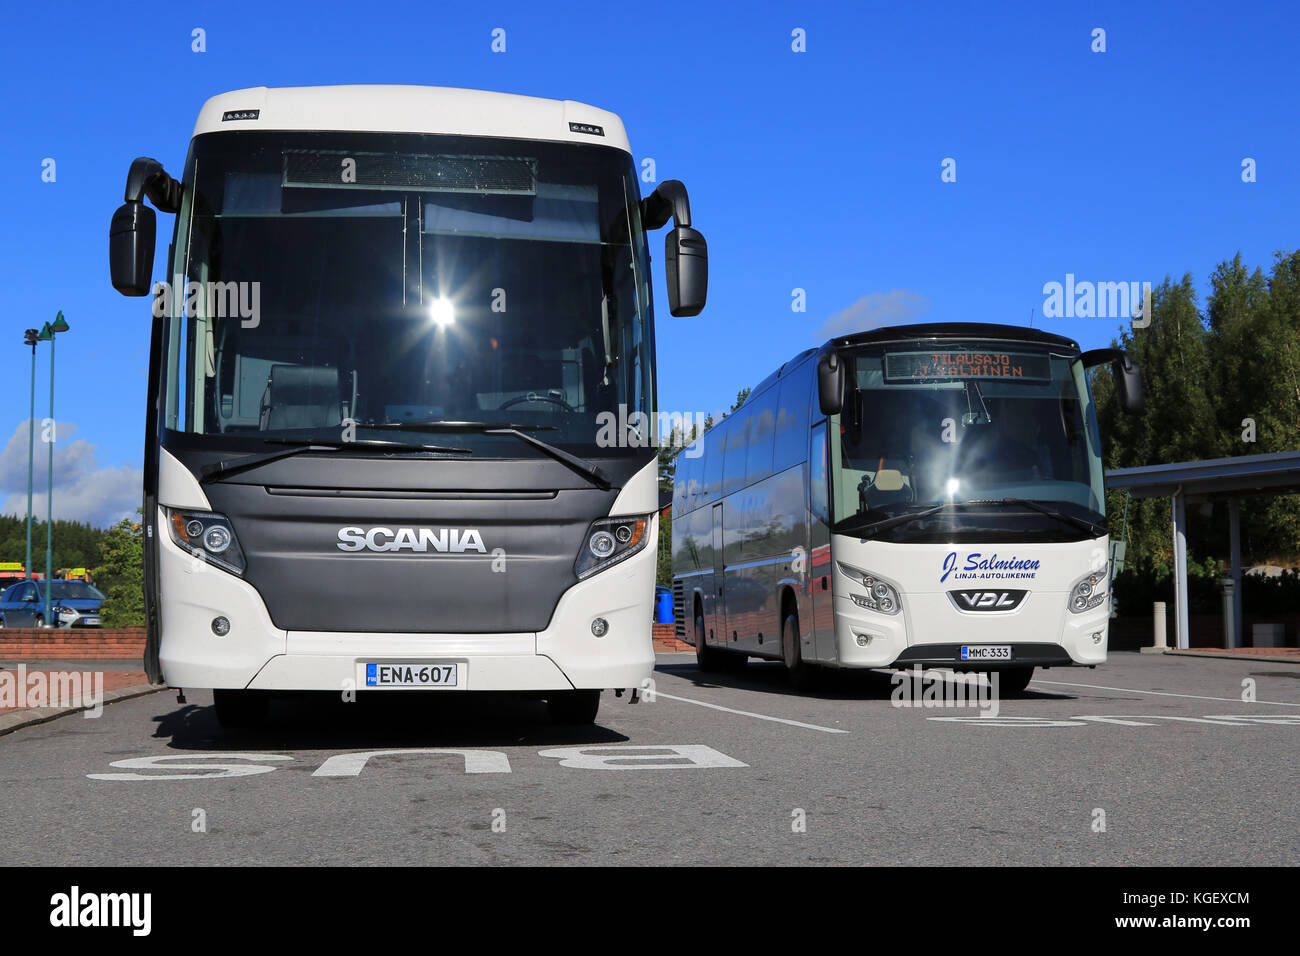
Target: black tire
(38, 621)
(803, 676)
(706, 658)
(573, 706)
(241, 709)
(1013, 681)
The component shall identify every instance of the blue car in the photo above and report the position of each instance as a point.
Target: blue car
(72, 604)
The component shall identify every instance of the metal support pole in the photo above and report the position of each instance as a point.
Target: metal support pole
(49, 501)
(1181, 622)
(1234, 532)
(31, 454)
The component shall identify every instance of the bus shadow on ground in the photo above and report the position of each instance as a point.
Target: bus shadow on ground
(407, 719)
(771, 677)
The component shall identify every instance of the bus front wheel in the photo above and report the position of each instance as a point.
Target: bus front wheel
(241, 708)
(803, 676)
(573, 706)
(706, 658)
(1013, 681)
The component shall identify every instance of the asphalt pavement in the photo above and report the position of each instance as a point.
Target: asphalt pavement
(1147, 760)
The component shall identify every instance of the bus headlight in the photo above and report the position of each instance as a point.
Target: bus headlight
(881, 595)
(208, 536)
(609, 541)
(1090, 591)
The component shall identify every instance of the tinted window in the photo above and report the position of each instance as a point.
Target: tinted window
(715, 447)
(679, 482)
(791, 446)
(817, 475)
(690, 469)
(758, 461)
(737, 447)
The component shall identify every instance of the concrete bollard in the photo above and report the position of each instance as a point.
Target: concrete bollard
(1160, 641)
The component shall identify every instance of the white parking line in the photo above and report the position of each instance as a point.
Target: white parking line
(746, 713)
(1161, 693)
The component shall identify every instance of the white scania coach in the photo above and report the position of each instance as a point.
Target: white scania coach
(393, 323)
(920, 495)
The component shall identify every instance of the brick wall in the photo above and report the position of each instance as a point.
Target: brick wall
(666, 642)
(84, 643)
(36, 644)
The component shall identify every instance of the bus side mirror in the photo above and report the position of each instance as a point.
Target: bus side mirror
(1128, 379)
(830, 383)
(131, 234)
(130, 248)
(1128, 385)
(687, 270)
(686, 253)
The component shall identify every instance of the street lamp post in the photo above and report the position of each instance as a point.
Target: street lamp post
(29, 338)
(49, 331)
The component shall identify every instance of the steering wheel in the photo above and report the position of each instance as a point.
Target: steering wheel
(534, 397)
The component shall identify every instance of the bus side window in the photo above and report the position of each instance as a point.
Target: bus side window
(792, 419)
(733, 469)
(817, 475)
(715, 449)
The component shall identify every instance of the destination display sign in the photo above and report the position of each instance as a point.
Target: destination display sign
(939, 366)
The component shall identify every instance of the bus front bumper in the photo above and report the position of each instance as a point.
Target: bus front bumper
(866, 639)
(255, 654)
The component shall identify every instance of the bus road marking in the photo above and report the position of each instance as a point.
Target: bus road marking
(1161, 693)
(746, 713)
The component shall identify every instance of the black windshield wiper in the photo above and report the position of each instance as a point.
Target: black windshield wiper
(584, 468)
(1096, 530)
(224, 469)
(866, 528)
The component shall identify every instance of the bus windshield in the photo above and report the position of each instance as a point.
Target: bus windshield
(335, 279)
(962, 424)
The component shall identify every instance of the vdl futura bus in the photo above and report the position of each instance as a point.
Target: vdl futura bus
(920, 495)
(393, 318)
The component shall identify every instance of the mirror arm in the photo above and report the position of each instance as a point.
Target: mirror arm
(669, 200)
(1095, 357)
(147, 177)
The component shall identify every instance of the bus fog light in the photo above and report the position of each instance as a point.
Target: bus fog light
(862, 639)
(600, 627)
(1096, 637)
(221, 626)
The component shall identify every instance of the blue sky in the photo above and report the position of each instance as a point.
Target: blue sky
(817, 170)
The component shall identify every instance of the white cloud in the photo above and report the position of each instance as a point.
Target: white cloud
(874, 310)
(83, 490)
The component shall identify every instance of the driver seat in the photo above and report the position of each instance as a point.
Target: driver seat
(301, 396)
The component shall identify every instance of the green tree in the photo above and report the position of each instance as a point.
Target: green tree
(1221, 383)
(121, 575)
(1179, 422)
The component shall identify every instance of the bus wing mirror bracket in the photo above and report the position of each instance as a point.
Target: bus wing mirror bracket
(134, 226)
(1128, 378)
(686, 254)
(830, 382)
